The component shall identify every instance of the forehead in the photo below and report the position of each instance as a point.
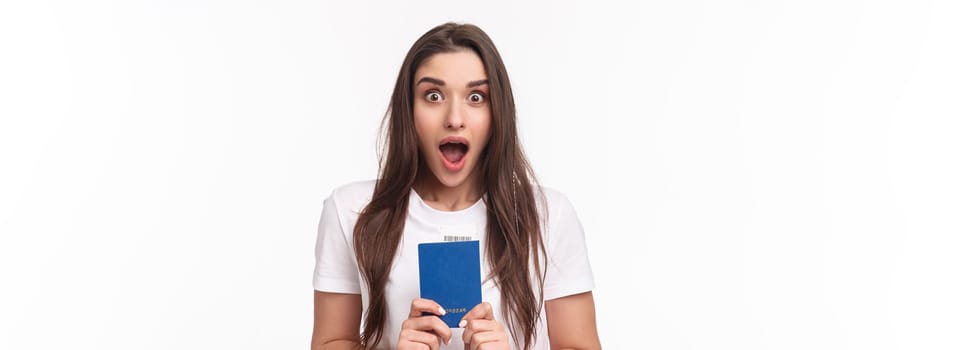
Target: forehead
(456, 68)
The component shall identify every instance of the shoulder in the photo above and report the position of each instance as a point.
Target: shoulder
(553, 205)
(352, 196)
(550, 195)
(551, 198)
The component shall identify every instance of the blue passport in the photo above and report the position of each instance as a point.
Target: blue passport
(450, 275)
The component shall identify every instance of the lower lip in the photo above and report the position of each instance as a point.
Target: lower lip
(453, 166)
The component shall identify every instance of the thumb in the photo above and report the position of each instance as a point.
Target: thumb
(483, 311)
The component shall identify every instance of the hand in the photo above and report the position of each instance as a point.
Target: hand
(423, 332)
(481, 331)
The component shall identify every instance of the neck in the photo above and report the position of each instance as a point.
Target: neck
(442, 197)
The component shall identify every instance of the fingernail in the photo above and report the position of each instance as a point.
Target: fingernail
(447, 341)
(441, 311)
(462, 324)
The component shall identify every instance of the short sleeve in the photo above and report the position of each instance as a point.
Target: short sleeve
(568, 267)
(336, 269)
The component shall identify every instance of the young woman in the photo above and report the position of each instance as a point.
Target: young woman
(452, 166)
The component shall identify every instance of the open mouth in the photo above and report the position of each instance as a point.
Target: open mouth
(453, 150)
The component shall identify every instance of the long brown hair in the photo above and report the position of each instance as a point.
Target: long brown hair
(513, 242)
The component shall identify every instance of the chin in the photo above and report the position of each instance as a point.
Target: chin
(450, 180)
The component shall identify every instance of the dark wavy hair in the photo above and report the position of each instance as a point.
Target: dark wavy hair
(514, 244)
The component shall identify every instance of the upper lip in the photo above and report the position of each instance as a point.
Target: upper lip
(455, 139)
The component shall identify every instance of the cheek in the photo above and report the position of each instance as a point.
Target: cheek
(425, 116)
(483, 125)
(421, 119)
(422, 126)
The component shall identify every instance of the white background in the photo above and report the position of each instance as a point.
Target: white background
(751, 174)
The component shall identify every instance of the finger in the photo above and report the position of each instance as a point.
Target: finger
(483, 326)
(420, 337)
(480, 311)
(421, 305)
(431, 324)
(478, 326)
(479, 340)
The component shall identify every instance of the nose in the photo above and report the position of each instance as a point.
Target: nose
(455, 117)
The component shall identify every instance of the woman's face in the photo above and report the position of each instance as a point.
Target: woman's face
(452, 114)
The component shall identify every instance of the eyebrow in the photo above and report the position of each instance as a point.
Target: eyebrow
(439, 82)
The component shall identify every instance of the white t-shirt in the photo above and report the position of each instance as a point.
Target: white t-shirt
(568, 268)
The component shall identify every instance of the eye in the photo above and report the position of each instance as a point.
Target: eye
(476, 97)
(433, 96)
